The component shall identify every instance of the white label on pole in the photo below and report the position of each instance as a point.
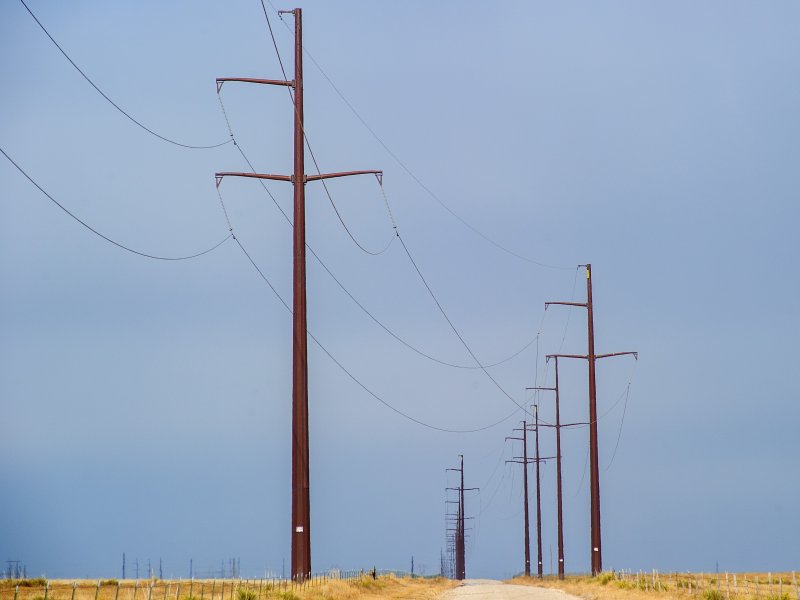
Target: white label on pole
(298, 529)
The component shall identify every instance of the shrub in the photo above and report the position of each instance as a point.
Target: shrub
(713, 595)
(35, 582)
(109, 582)
(605, 577)
(246, 595)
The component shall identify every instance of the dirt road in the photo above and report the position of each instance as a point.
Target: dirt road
(489, 589)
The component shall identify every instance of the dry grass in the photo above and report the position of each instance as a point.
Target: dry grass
(674, 586)
(386, 587)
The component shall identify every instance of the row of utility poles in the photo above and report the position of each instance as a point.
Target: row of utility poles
(456, 526)
(301, 517)
(596, 547)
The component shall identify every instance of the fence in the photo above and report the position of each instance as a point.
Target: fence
(158, 589)
(712, 586)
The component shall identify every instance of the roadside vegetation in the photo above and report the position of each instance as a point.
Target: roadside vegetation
(385, 587)
(673, 586)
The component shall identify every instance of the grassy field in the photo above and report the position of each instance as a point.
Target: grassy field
(675, 586)
(363, 587)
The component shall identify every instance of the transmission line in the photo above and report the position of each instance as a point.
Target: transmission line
(311, 152)
(366, 311)
(408, 170)
(109, 100)
(350, 374)
(103, 236)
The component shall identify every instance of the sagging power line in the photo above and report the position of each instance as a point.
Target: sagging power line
(102, 235)
(125, 113)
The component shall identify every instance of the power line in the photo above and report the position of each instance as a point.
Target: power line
(109, 100)
(351, 375)
(394, 224)
(453, 327)
(408, 169)
(366, 311)
(311, 152)
(105, 237)
(621, 424)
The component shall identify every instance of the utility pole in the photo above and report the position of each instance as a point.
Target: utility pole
(538, 494)
(301, 512)
(123, 565)
(559, 493)
(525, 461)
(594, 471)
(460, 530)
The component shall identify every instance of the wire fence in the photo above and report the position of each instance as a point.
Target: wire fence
(187, 589)
(711, 586)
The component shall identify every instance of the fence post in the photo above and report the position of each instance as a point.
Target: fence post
(150, 591)
(178, 591)
(796, 590)
(727, 586)
(74, 585)
(769, 576)
(16, 592)
(116, 594)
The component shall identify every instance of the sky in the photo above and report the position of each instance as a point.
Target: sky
(146, 404)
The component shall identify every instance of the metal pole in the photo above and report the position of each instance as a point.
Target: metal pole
(525, 486)
(597, 548)
(538, 495)
(301, 518)
(558, 483)
(462, 573)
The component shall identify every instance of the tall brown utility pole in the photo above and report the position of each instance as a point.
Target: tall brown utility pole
(460, 530)
(558, 476)
(525, 461)
(538, 461)
(301, 512)
(596, 540)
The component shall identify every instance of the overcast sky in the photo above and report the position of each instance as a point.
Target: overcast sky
(146, 404)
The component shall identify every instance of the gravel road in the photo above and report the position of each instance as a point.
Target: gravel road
(489, 589)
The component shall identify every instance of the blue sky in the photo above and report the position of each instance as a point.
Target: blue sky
(146, 405)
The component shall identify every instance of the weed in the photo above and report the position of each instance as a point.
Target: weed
(109, 582)
(605, 577)
(246, 595)
(713, 595)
